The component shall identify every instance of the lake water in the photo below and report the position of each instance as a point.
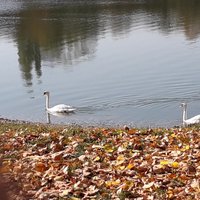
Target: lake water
(118, 62)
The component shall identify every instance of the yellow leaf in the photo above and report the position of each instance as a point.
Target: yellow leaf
(120, 158)
(170, 194)
(113, 183)
(121, 167)
(116, 182)
(164, 162)
(130, 166)
(173, 135)
(97, 158)
(108, 183)
(127, 184)
(175, 164)
(108, 148)
(187, 147)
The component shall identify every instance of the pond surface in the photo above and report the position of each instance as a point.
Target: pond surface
(118, 62)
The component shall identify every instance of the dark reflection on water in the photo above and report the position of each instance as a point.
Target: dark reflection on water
(49, 30)
(48, 33)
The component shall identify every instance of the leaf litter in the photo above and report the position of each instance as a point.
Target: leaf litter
(75, 163)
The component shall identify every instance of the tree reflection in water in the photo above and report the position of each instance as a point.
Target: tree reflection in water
(68, 31)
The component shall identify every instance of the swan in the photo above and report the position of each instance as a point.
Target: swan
(61, 108)
(193, 120)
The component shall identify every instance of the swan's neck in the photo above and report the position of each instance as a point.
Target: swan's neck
(47, 102)
(184, 114)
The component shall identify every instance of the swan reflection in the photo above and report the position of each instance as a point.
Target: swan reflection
(48, 118)
(56, 114)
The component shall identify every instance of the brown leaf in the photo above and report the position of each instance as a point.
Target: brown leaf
(57, 156)
(191, 169)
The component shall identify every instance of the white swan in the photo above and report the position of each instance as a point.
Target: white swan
(61, 108)
(193, 120)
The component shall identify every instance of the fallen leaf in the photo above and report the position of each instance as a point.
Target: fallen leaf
(40, 167)
(175, 164)
(97, 159)
(148, 185)
(113, 183)
(164, 162)
(130, 166)
(195, 184)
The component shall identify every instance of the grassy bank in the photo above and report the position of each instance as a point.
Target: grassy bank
(57, 162)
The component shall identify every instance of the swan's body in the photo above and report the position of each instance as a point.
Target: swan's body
(61, 108)
(193, 120)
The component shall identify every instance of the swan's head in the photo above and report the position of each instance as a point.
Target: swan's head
(183, 105)
(46, 93)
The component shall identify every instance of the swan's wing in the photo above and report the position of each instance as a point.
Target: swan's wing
(62, 108)
(193, 120)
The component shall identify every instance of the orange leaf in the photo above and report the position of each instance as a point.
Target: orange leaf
(7, 146)
(4, 169)
(40, 167)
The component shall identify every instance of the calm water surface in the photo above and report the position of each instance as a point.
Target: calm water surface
(118, 62)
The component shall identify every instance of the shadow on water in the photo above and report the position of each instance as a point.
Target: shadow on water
(67, 31)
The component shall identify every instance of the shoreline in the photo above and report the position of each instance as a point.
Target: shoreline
(4, 120)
